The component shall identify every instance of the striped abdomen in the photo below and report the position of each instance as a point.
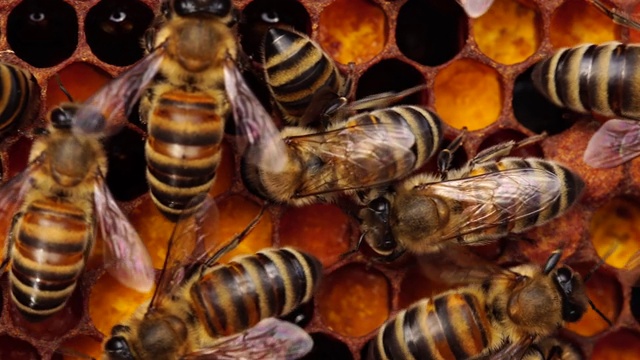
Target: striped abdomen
(233, 297)
(183, 149)
(48, 256)
(16, 87)
(571, 186)
(603, 79)
(296, 68)
(451, 326)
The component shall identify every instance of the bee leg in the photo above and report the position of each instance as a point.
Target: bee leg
(445, 157)
(10, 240)
(616, 15)
(356, 248)
(504, 149)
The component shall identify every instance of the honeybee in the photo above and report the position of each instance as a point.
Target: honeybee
(500, 314)
(60, 199)
(204, 310)
(303, 79)
(17, 96)
(197, 87)
(366, 150)
(484, 200)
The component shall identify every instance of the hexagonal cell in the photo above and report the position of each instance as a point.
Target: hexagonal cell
(302, 315)
(79, 346)
(322, 230)
(576, 22)
(416, 286)
(615, 230)
(43, 32)
(111, 303)
(504, 135)
(260, 15)
(354, 300)
(114, 29)
(431, 32)
(126, 174)
(377, 80)
(353, 30)
(469, 94)
(619, 345)
(606, 294)
(59, 323)
(533, 110)
(328, 347)
(80, 79)
(16, 349)
(508, 32)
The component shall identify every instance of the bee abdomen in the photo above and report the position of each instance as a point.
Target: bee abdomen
(16, 87)
(183, 149)
(231, 298)
(296, 69)
(452, 326)
(51, 242)
(592, 78)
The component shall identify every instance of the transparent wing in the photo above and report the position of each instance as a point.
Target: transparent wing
(255, 127)
(616, 142)
(270, 339)
(475, 8)
(512, 350)
(187, 247)
(633, 262)
(619, 16)
(489, 200)
(106, 111)
(359, 156)
(125, 256)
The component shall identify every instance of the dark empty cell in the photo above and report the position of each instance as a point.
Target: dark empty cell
(260, 15)
(502, 136)
(390, 75)
(534, 111)
(127, 165)
(302, 315)
(16, 349)
(43, 32)
(326, 347)
(431, 32)
(460, 158)
(114, 29)
(635, 302)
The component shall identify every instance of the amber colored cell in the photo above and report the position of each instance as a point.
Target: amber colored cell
(224, 173)
(615, 229)
(576, 22)
(81, 80)
(352, 30)
(606, 294)
(83, 345)
(468, 94)
(322, 230)
(111, 303)
(354, 300)
(508, 32)
(416, 286)
(154, 229)
(19, 156)
(16, 349)
(620, 345)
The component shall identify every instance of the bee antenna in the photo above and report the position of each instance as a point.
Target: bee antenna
(63, 89)
(603, 316)
(602, 260)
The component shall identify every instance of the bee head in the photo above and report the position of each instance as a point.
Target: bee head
(573, 293)
(217, 8)
(117, 347)
(376, 229)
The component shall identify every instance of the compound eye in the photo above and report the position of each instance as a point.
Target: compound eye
(221, 7)
(379, 205)
(118, 349)
(60, 118)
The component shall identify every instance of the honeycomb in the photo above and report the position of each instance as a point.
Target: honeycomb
(477, 75)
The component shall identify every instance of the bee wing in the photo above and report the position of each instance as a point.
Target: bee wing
(270, 339)
(633, 262)
(512, 350)
(361, 156)
(475, 8)
(490, 200)
(255, 126)
(125, 257)
(186, 248)
(102, 112)
(616, 142)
